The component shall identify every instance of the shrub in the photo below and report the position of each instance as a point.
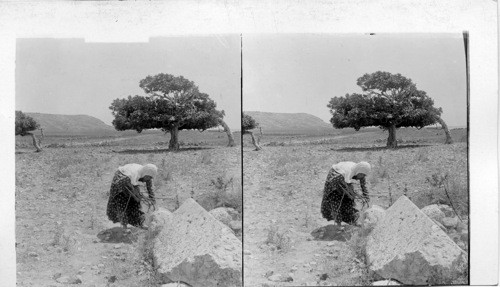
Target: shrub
(224, 195)
(451, 191)
(280, 239)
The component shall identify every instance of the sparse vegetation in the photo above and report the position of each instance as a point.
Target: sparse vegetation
(278, 238)
(299, 168)
(71, 186)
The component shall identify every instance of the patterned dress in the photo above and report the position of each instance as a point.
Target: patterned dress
(122, 206)
(338, 204)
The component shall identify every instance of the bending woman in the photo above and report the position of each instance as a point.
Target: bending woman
(124, 204)
(339, 196)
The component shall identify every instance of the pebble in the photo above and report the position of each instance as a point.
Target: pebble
(450, 222)
(268, 273)
(313, 262)
(32, 254)
(117, 246)
(275, 277)
(81, 271)
(294, 268)
(63, 279)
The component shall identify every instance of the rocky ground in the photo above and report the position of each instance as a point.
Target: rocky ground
(63, 235)
(283, 190)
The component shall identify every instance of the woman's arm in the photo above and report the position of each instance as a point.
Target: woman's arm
(362, 182)
(149, 187)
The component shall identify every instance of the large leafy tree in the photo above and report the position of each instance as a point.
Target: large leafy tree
(24, 127)
(389, 101)
(247, 125)
(171, 104)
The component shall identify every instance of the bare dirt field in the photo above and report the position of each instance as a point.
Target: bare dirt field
(62, 232)
(283, 186)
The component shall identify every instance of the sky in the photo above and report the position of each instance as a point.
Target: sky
(300, 73)
(288, 73)
(71, 76)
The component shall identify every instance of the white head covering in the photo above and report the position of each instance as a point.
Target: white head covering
(348, 169)
(136, 171)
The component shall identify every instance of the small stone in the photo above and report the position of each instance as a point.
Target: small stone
(275, 277)
(385, 283)
(117, 246)
(32, 254)
(323, 276)
(112, 279)
(461, 226)
(100, 265)
(313, 262)
(57, 275)
(63, 280)
(307, 265)
(81, 271)
(268, 273)
(78, 280)
(288, 279)
(294, 268)
(448, 211)
(330, 244)
(236, 225)
(95, 267)
(450, 222)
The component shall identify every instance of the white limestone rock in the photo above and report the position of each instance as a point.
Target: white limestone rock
(406, 245)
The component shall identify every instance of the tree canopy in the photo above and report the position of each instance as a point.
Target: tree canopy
(172, 103)
(248, 123)
(25, 124)
(389, 101)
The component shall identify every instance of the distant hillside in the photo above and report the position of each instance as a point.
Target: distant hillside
(71, 124)
(289, 122)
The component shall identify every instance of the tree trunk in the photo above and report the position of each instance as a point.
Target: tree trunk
(446, 131)
(391, 140)
(174, 138)
(254, 142)
(228, 132)
(35, 142)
